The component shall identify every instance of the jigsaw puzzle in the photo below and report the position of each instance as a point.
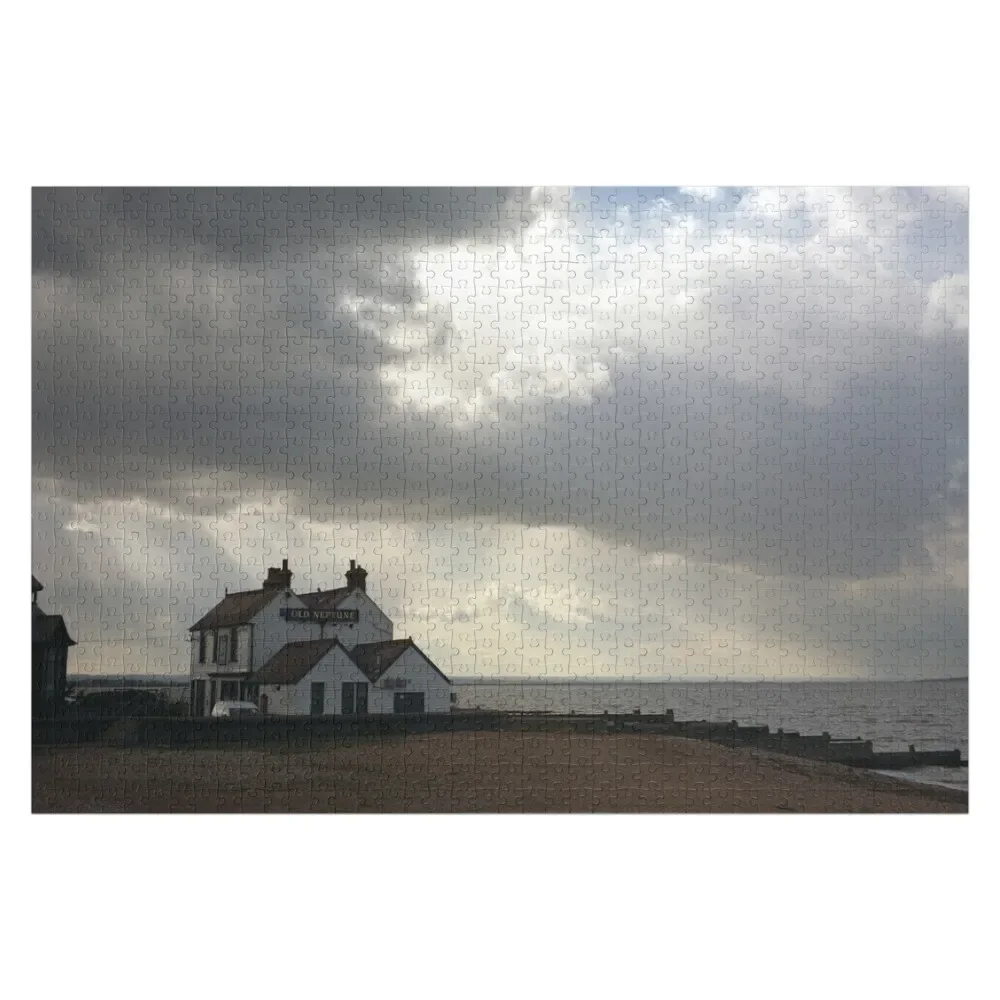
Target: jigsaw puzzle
(630, 499)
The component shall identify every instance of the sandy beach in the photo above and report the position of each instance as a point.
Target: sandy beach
(469, 772)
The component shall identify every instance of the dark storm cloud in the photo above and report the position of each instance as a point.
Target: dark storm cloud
(205, 336)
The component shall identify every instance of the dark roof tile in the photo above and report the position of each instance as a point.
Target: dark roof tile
(49, 630)
(375, 658)
(324, 600)
(293, 661)
(235, 609)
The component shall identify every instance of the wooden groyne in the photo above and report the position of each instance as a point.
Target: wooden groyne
(853, 752)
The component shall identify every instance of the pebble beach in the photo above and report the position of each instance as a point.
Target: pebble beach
(482, 772)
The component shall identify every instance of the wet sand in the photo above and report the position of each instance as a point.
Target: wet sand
(469, 772)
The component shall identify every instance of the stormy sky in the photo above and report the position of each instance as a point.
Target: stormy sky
(670, 432)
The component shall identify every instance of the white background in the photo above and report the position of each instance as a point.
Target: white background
(301, 94)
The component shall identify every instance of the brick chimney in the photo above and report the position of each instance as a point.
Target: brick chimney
(279, 579)
(356, 577)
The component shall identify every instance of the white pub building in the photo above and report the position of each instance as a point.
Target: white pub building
(330, 652)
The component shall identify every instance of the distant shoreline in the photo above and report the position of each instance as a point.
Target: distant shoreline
(703, 680)
(147, 680)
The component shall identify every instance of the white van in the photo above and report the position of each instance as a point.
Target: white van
(234, 710)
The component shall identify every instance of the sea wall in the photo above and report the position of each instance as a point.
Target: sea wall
(305, 731)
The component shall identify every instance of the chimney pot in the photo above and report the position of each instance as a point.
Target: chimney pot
(356, 576)
(279, 579)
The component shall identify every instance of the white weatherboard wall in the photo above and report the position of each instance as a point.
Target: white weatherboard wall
(266, 633)
(258, 641)
(296, 699)
(271, 631)
(372, 625)
(420, 676)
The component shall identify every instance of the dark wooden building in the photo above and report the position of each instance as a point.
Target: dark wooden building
(50, 644)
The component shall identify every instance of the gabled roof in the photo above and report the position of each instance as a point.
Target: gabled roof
(375, 658)
(236, 609)
(293, 661)
(324, 600)
(49, 630)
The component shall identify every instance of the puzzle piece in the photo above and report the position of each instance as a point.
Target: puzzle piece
(624, 451)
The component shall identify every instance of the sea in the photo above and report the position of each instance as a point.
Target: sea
(930, 715)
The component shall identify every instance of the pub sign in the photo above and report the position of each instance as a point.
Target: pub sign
(336, 615)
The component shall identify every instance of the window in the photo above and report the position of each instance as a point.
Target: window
(229, 691)
(234, 645)
(201, 646)
(222, 648)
